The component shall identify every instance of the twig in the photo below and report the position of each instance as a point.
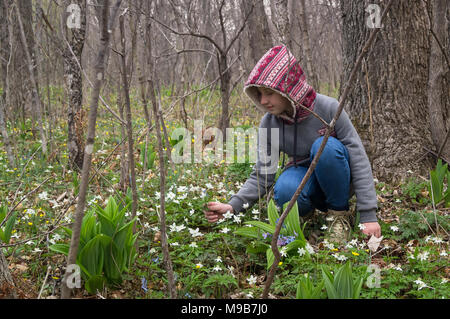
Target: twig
(45, 280)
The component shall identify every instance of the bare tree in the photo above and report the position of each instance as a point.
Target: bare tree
(126, 93)
(106, 26)
(36, 101)
(74, 83)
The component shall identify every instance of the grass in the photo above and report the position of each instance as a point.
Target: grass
(208, 260)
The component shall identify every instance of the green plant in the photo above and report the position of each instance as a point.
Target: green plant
(151, 155)
(414, 224)
(291, 234)
(106, 248)
(307, 290)
(6, 230)
(218, 284)
(437, 190)
(342, 285)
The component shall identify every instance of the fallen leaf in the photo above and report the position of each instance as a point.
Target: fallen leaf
(374, 242)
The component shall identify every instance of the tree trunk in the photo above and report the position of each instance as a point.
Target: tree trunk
(260, 39)
(5, 135)
(74, 86)
(281, 20)
(7, 288)
(100, 74)
(126, 93)
(225, 78)
(389, 102)
(310, 69)
(438, 92)
(27, 47)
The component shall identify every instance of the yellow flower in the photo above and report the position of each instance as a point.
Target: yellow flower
(355, 253)
(280, 263)
(30, 223)
(335, 249)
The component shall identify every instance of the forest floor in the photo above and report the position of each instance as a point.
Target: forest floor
(210, 260)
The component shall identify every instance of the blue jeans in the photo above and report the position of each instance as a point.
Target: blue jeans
(327, 188)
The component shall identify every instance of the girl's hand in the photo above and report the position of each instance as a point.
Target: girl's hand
(372, 229)
(216, 210)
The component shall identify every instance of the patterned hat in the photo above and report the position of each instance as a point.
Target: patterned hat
(279, 70)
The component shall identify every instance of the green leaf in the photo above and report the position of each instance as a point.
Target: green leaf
(107, 227)
(263, 226)
(270, 257)
(272, 213)
(343, 282)
(92, 255)
(251, 232)
(60, 248)
(9, 227)
(95, 283)
(328, 282)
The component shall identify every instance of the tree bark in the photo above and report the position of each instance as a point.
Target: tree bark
(5, 135)
(7, 288)
(438, 92)
(100, 74)
(74, 86)
(126, 94)
(36, 100)
(260, 39)
(389, 104)
(310, 68)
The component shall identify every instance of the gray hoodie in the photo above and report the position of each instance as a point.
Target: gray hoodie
(307, 132)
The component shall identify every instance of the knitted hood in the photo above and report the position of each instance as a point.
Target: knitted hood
(279, 70)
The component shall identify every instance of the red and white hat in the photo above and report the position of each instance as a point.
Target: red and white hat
(279, 70)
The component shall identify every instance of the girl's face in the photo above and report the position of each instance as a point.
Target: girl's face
(275, 103)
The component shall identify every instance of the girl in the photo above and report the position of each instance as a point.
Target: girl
(278, 87)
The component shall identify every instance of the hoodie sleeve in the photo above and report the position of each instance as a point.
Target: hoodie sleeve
(361, 171)
(263, 174)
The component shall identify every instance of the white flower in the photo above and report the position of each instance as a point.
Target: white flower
(327, 244)
(309, 248)
(195, 232)
(217, 268)
(228, 214)
(208, 185)
(421, 284)
(218, 259)
(394, 228)
(193, 245)
(249, 295)
(443, 253)
(423, 256)
(398, 267)
(176, 228)
(43, 196)
(251, 280)
(301, 251)
(361, 226)
(237, 219)
(199, 265)
(283, 252)
(170, 195)
(255, 211)
(175, 244)
(324, 227)
(157, 195)
(225, 230)
(437, 240)
(340, 257)
(191, 212)
(245, 206)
